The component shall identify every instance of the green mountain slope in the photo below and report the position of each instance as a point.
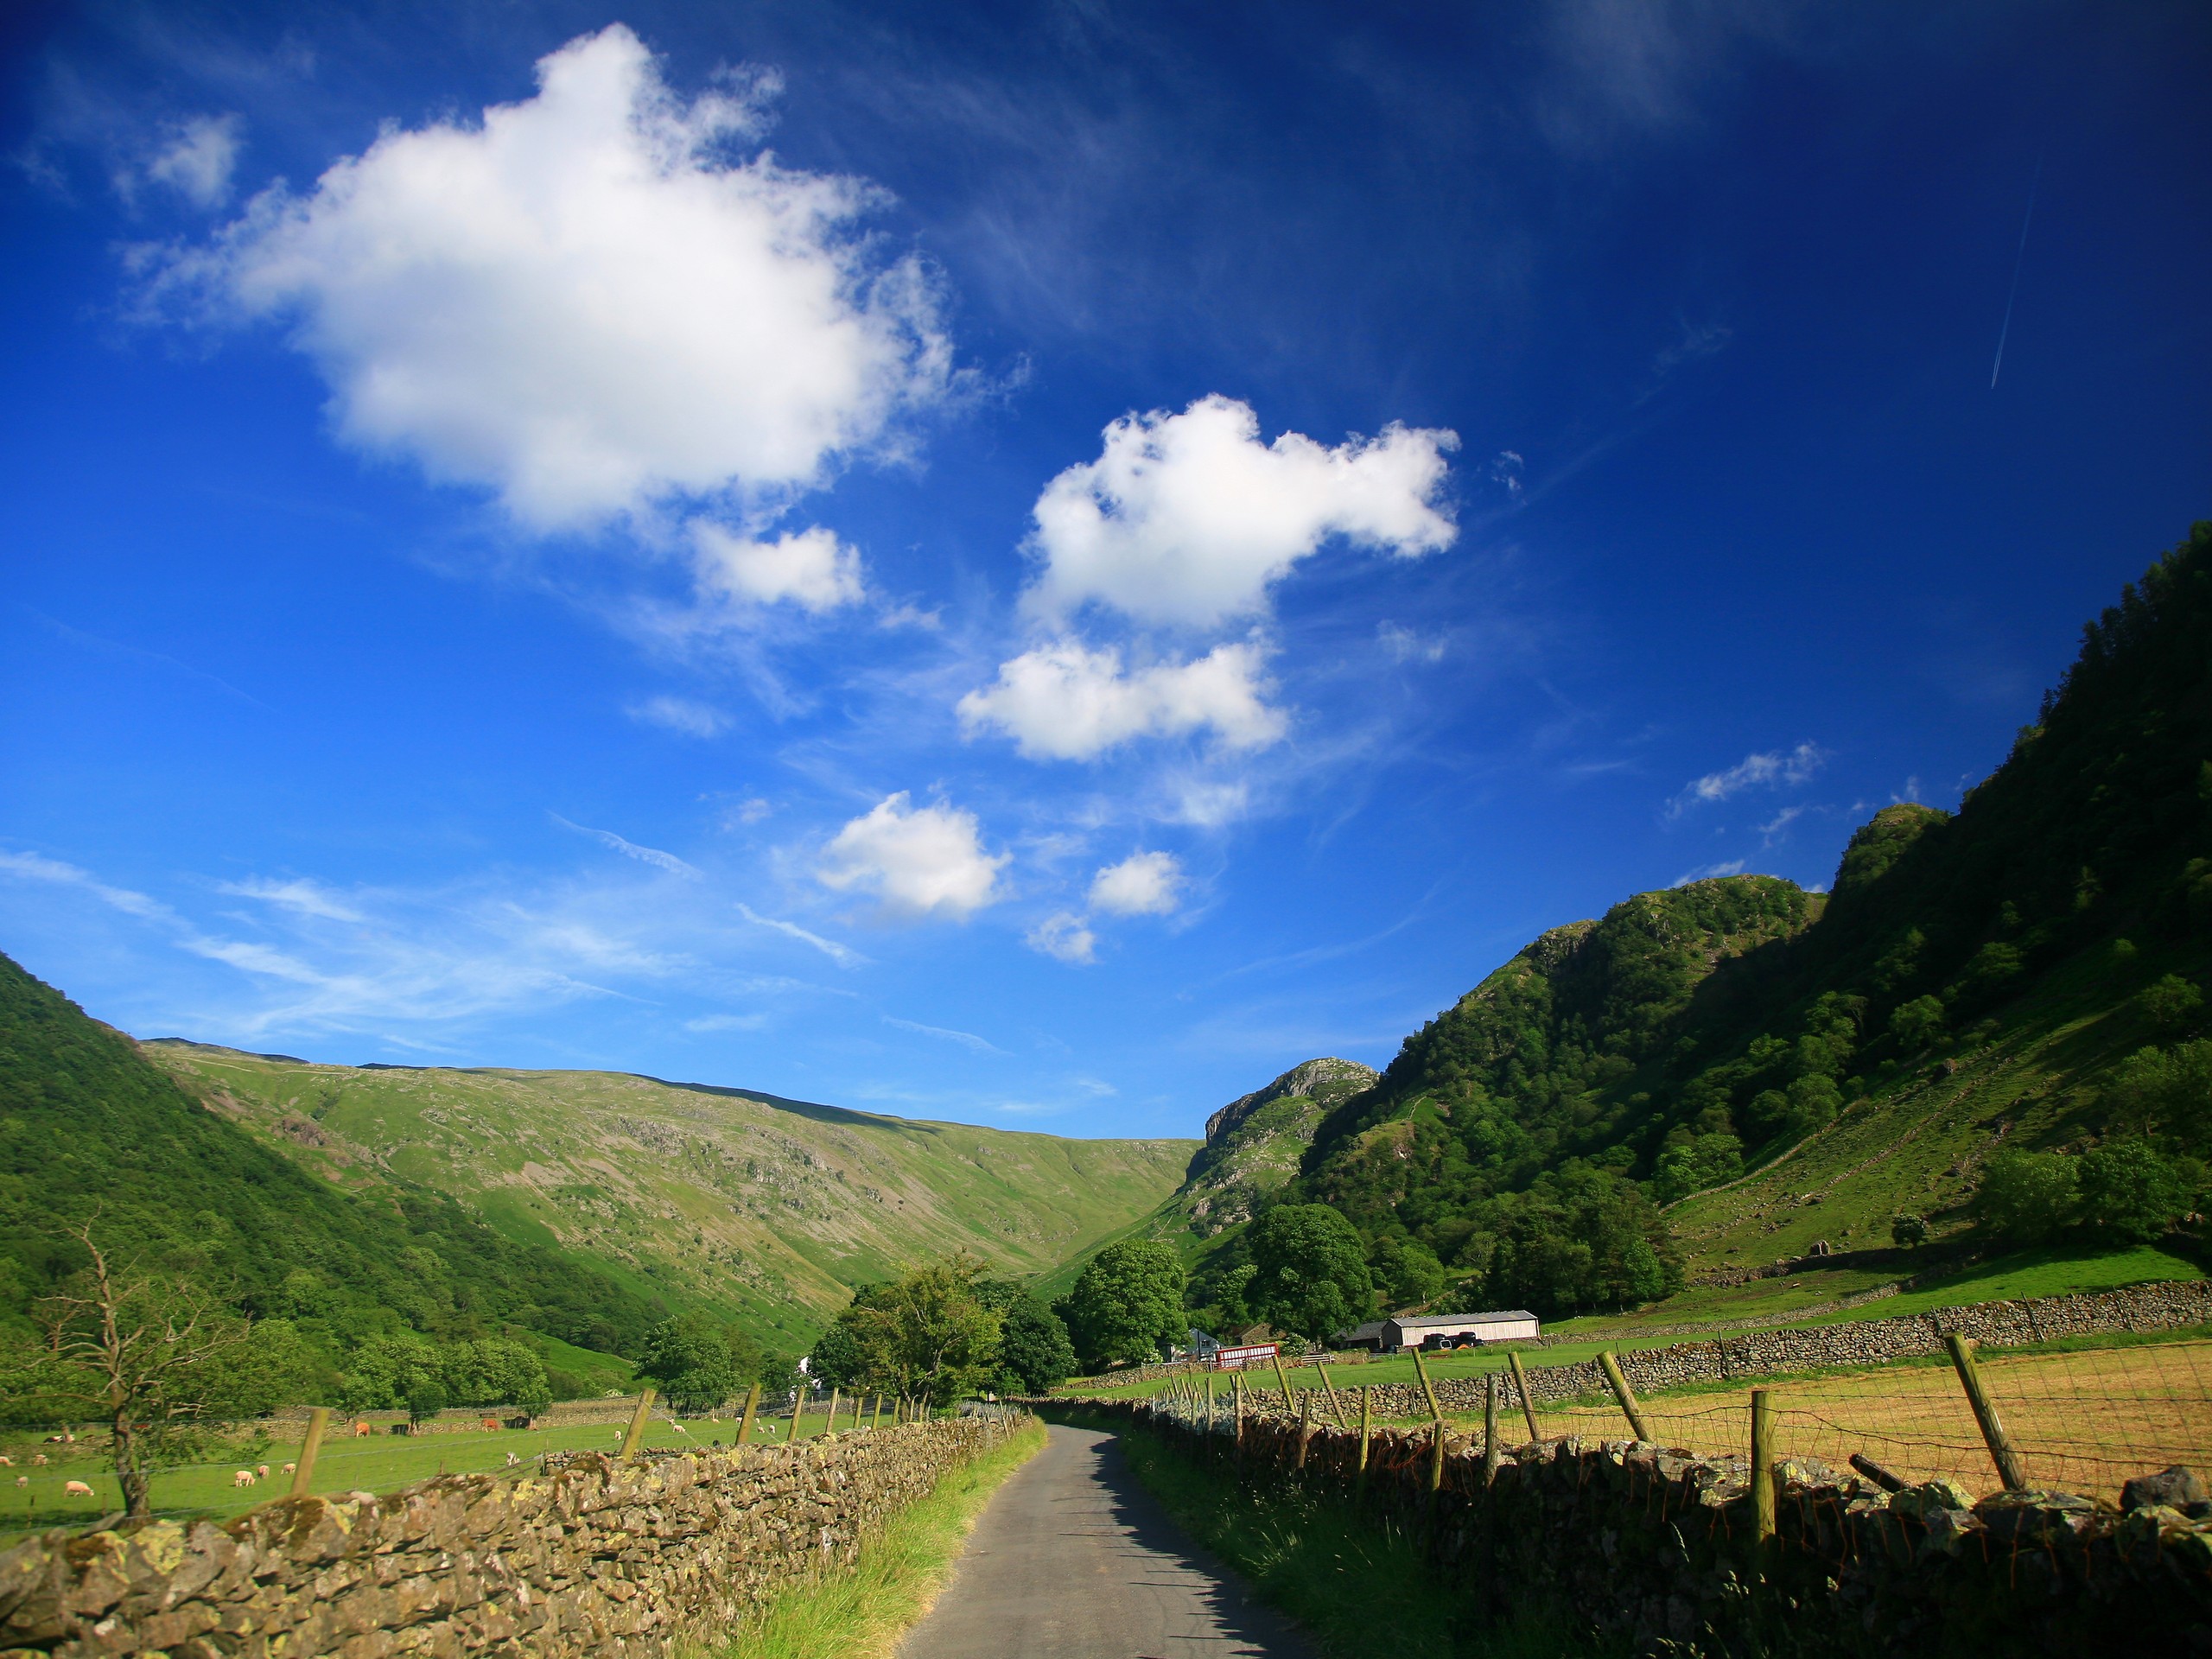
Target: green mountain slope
(1970, 981)
(1251, 1151)
(766, 1210)
(89, 1130)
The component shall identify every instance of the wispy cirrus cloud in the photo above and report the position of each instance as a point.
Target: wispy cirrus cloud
(1770, 769)
(843, 955)
(612, 843)
(966, 1039)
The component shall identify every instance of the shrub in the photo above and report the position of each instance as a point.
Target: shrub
(2132, 1192)
(2025, 1197)
(2171, 1004)
(1917, 1023)
(1908, 1232)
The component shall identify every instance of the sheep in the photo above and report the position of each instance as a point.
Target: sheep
(8, 1462)
(242, 1477)
(262, 1471)
(512, 1460)
(38, 1459)
(76, 1488)
(291, 1468)
(21, 1481)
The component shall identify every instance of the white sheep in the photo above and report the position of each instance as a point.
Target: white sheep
(263, 1471)
(242, 1477)
(291, 1468)
(38, 1457)
(21, 1481)
(76, 1488)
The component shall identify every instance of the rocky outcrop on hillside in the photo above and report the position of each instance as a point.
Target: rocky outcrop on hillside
(1254, 1143)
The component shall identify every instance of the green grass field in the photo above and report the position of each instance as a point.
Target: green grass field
(379, 1463)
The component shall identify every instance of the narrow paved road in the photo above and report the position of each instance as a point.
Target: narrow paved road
(1072, 1560)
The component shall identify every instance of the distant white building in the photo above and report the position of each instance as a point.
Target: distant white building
(1443, 1331)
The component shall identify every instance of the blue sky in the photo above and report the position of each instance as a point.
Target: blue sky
(1033, 564)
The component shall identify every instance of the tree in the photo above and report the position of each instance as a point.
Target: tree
(691, 1362)
(1310, 1272)
(1407, 1270)
(2164, 1091)
(151, 1354)
(1693, 1166)
(426, 1398)
(2132, 1192)
(1128, 1304)
(2025, 1197)
(1035, 1352)
(1917, 1023)
(2170, 1003)
(1908, 1232)
(926, 1333)
(835, 1357)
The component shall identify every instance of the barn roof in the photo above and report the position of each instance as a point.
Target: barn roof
(1461, 1319)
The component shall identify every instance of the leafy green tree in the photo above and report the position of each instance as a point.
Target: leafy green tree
(926, 1333)
(1035, 1352)
(2025, 1197)
(1815, 1101)
(2164, 1091)
(495, 1371)
(2132, 1192)
(1127, 1306)
(1309, 1270)
(836, 1357)
(1908, 1232)
(2170, 1003)
(382, 1372)
(426, 1398)
(1407, 1270)
(690, 1361)
(1694, 1165)
(1582, 1241)
(1917, 1023)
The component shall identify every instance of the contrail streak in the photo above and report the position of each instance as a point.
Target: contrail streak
(2026, 219)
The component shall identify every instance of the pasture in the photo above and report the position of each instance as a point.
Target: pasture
(377, 1463)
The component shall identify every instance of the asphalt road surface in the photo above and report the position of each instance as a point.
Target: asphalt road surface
(1072, 1560)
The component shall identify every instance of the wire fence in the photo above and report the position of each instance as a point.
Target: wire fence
(2081, 1421)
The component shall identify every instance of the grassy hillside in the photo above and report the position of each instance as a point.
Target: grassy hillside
(89, 1130)
(1970, 983)
(1250, 1153)
(762, 1208)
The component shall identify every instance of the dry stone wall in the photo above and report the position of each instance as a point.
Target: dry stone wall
(2177, 1306)
(603, 1557)
(1654, 1552)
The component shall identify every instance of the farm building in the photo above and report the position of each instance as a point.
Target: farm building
(1442, 1330)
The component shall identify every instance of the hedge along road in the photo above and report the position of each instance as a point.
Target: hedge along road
(1072, 1560)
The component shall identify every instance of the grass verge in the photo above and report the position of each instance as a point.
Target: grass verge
(1360, 1584)
(860, 1614)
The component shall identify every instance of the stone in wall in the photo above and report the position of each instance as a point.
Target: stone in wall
(621, 1558)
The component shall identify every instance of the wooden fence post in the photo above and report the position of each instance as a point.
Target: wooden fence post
(1436, 1416)
(1622, 1392)
(1237, 1388)
(1283, 1377)
(1334, 1406)
(638, 1419)
(303, 1471)
(1366, 1400)
(752, 1405)
(1527, 1400)
(1762, 1468)
(798, 1408)
(830, 1428)
(1305, 1426)
(2002, 1453)
(1492, 1456)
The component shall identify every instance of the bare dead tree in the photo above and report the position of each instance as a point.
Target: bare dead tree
(141, 1351)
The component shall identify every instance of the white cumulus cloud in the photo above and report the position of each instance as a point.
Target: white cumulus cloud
(1143, 884)
(1185, 519)
(1063, 935)
(1067, 701)
(919, 861)
(583, 304)
(810, 568)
